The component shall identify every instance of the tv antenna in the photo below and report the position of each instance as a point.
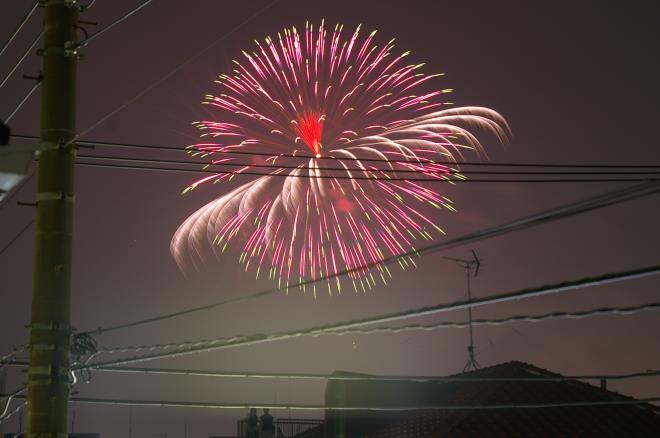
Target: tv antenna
(471, 269)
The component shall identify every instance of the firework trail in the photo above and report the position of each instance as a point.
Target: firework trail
(348, 136)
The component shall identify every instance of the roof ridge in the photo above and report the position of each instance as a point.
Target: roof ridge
(523, 366)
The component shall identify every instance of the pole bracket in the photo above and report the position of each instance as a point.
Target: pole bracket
(67, 3)
(55, 196)
(70, 50)
(44, 370)
(43, 347)
(52, 325)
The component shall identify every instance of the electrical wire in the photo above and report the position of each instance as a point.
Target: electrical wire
(20, 26)
(567, 210)
(21, 59)
(445, 407)
(430, 327)
(340, 377)
(376, 160)
(20, 104)
(425, 171)
(170, 73)
(14, 239)
(82, 43)
(206, 345)
(432, 174)
(8, 359)
(15, 411)
(512, 319)
(518, 318)
(371, 178)
(362, 377)
(9, 398)
(113, 24)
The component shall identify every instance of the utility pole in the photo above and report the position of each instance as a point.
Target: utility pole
(50, 330)
(468, 265)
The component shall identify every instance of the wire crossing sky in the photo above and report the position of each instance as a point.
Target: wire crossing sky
(540, 218)
(200, 346)
(579, 102)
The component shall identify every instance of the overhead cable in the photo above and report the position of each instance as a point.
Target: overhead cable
(20, 26)
(206, 345)
(8, 358)
(342, 377)
(512, 319)
(424, 169)
(17, 409)
(360, 377)
(348, 159)
(540, 218)
(84, 42)
(21, 59)
(372, 178)
(427, 327)
(25, 98)
(114, 23)
(176, 69)
(14, 239)
(310, 407)
(5, 413)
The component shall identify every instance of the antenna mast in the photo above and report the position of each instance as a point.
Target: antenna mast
(471, 269)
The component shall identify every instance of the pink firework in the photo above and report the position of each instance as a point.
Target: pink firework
(349, 142)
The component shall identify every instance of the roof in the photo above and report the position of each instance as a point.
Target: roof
(604, 421)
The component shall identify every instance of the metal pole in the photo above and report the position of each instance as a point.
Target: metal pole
(48, 373)
(471, 361)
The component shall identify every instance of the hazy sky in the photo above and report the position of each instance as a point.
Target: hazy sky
(577, 81)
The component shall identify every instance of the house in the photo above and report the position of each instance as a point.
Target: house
(616, 416)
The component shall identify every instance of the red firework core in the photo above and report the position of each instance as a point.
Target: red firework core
(309, 128)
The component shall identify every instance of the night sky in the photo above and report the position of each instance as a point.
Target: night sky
(577, 82)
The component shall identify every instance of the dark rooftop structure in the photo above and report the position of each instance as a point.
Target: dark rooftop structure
(605, 420)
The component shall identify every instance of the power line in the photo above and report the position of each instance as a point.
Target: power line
(363, 377)
(20, 26)
(8, 359)
(15, 238)
(114, 23)
(376, 160)
(4, 414)
(171, 73)
(21, 59)
(369, 178)
(82, 43)
(497, 322)
(193, 347)
(423, 171)
(156, 165)
(17, 409)
(20, 104)
(441, 325)
(567, 210)
(339, 377)
(244, 406)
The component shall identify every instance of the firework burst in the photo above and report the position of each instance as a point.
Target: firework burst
(351, 141)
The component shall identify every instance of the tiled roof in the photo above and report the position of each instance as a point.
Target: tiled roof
(600, 421)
